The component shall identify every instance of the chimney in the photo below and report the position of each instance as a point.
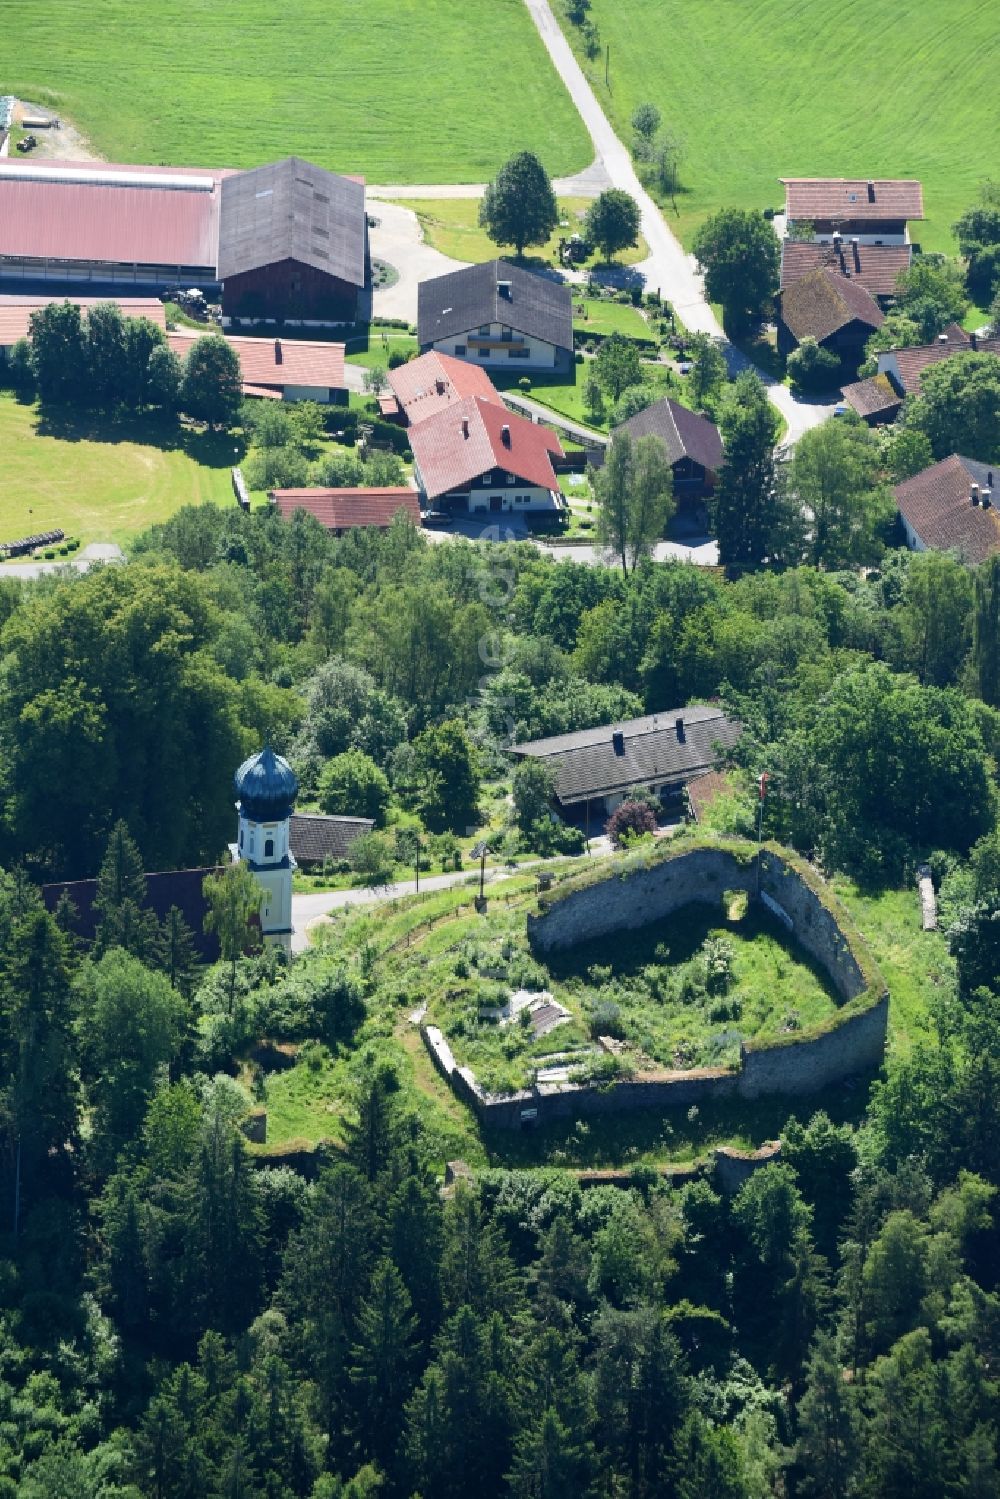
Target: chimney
(465, 427)
(855, 246)
(871, 192)
(989, 478)
(973, 342)
(836, 239)
(439, 386)
(679, 726)
(277, 351)
(505, 435)
(618, 742)
(974, 493)
(987, 499)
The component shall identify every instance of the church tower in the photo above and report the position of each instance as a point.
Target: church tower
(266, 788)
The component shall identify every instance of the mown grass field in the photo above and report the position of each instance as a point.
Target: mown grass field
(103, 481)
(451, 225)
(401, 93)
(864, 88)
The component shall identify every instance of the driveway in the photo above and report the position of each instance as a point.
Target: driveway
(669, 269)
(398, 240)
(96, 552)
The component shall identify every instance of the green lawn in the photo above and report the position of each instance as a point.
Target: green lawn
(601, 316)
(103, 481)
(373, 348)
(564, 394)
(451, 225)
(400, 93)
(866, 88)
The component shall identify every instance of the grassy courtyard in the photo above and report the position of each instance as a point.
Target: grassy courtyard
(451, 225)
(396, 92)
(104, 482)
(866, 88)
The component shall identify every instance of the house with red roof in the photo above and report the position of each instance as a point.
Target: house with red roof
(434, 381)
(473, 456)
(282, 369)
(341, 510)
(876, 210)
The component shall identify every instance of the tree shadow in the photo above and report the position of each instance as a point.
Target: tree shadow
(204, 446)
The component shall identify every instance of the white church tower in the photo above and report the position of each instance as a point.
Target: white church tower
(266, 788)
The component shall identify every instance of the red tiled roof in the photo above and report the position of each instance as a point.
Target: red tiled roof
(74, 211)
(15, 311)
(262, 392)
(427, 385)
(340, 509)
(809, 198)
(875, 267)
(936, 503)
(822, 302)
(466, 440)
(874, 397)
(280, 361)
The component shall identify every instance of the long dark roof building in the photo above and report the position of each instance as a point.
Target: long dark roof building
(823, 302)
(875, 267)
(662, 749)
(495, 292)
(292, 210)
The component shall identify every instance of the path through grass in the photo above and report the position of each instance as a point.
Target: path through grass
(866, 88)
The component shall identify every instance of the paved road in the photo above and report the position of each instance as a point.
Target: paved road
(586, 184)
(97, 551)
(669, 268)
(555, 419)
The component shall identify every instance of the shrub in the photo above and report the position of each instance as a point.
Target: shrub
(524, 383)
(605, 1019)
(49, 555)
(352, 785)
(630, 819)
(396, 358)
(811, 366)
(578, 356)
(408, 456)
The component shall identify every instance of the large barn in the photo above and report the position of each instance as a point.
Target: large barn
(288, 241)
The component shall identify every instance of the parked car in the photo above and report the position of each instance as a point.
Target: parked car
(438, 518)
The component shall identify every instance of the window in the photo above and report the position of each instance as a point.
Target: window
(269, 848)
(484, 331)
(506, 334)
(511, 479)
(518, 353)
(459, 351)
(484, 353)
(241, 837)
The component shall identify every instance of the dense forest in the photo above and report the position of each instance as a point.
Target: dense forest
(184, 1317)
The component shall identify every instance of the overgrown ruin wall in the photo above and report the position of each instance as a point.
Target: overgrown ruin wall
(852, 1041)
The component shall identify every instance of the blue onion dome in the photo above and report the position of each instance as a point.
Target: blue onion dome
(266, 786)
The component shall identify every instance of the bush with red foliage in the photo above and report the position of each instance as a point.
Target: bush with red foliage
(630, 819)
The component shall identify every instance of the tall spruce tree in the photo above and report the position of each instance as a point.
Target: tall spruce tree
(120, 900)
(746, 504)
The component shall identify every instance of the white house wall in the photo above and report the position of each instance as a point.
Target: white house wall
(540, 356)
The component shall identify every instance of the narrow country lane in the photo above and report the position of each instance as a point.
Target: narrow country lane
(669, 268)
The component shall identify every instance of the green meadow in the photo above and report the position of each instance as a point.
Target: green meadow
(406, 92)
(766, 89)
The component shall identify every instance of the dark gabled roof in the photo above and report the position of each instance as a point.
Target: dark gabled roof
(937, 505)
(588, 765)
(314, 837)
(470, 298)
(685, 433)
(292, 210)
(848, 198)
(823, 302)
(176, 887)
(875, 267)
(875, 397)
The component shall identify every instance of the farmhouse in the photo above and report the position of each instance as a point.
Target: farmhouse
(597, 768)
(341, 510)
(904, 367)
(475, 456)
(838, 313)
(949, 508)
(429, 384)
(289, 369)
(16, 310)
(693, 443)
(875, 267)
(877, 210)
(290, 239)
(499, 316)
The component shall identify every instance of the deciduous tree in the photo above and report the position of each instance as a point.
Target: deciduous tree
(519, 207)
(612, 222)
(739, 254)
